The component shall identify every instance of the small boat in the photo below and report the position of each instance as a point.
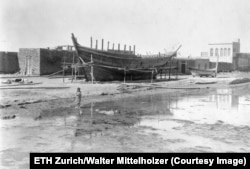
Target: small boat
(110, 64)
(203, 72)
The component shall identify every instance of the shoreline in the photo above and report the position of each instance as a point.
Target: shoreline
(42, 95)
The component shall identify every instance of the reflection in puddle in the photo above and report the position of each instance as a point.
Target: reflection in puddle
(227, 106)
(223, 105)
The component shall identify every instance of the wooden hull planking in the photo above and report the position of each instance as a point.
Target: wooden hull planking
(108, 66)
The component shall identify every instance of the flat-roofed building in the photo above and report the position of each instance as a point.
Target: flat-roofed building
(224, 52)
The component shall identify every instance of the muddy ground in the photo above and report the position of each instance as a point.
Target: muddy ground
(117, 117)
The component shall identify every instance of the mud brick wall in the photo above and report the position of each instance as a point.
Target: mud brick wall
(35, 60)
(242, 62)
(222, 66)
(44, 61)
(202, 63)
(190, 63)
(8, 62)
(186, 61)
(51, 60)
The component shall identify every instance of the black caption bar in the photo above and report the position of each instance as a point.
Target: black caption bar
(138, 160)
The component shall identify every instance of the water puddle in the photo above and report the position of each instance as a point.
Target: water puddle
(202, 121)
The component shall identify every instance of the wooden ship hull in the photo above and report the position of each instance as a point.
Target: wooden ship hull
(202, 72)
(110, 65)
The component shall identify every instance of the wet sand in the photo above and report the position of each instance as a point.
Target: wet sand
(188, 115)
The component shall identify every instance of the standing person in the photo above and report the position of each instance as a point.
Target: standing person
(78, 99)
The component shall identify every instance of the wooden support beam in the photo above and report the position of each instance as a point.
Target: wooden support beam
(134, 49)
(108, 46)
(78, 70)
(177, 70)
(118, 47)
(152, 72)
(113, 48)
(124, 47)
(124, 75)
(75, 68)
(170, 69)
(63, 69)
(129, 49)
(92, 70)
(96, 44)
(72, 69)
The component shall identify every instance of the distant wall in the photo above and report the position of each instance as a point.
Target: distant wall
(8, 62)
(222, 66)
(242, 62)
(202, 63)
(43, 61)
(52, 60)
(183, 65)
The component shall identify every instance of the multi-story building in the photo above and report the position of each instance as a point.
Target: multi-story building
(224, 52)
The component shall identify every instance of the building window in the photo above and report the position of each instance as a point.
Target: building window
(216, 52)
(221, 51)
(229, 52)
(211, 52)
(225, 51)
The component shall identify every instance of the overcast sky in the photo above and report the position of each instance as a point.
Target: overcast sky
(152, 25)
